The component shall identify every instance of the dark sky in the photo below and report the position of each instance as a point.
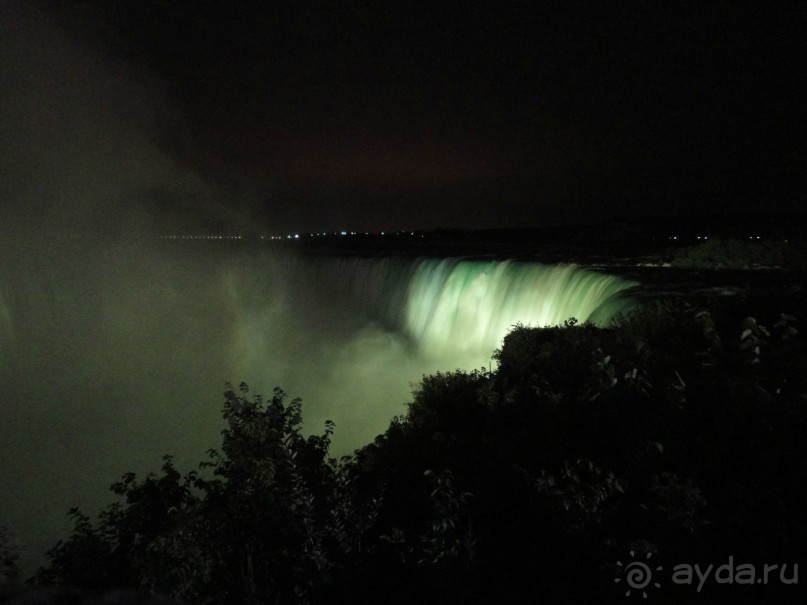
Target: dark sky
(387, 114)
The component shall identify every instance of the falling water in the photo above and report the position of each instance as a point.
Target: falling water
(459, 306)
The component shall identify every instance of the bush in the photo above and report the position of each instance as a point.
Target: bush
(273, 522)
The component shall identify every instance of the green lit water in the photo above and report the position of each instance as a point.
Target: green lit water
(459, 307)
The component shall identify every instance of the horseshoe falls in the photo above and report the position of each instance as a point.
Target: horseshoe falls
(456, 306)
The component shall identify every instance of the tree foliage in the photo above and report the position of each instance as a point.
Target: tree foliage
(673, 427)
(274, 518)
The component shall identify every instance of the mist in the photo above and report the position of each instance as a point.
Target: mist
(113, 350)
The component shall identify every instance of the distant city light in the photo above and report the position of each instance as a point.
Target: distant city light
(297, 236)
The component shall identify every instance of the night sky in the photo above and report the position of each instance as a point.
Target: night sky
(374, 116)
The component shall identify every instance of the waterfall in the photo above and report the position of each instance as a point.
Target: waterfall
(454, 304)
(460, 305)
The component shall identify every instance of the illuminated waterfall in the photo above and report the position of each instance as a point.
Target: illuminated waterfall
(450, 308)
(469, 306)
(449, 313)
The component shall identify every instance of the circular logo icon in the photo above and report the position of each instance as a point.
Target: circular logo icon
(637, 574)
